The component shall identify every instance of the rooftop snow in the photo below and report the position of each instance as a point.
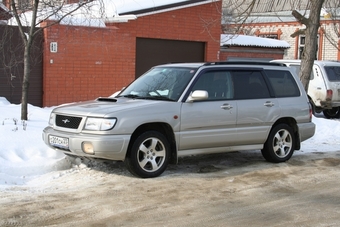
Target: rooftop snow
(245, 40)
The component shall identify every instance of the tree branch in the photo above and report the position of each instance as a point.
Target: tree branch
(80, 5)
(299, 17)
(298, 32)
(16, 15)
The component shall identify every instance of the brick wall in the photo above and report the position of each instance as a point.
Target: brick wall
(251, 52)
(92, 62)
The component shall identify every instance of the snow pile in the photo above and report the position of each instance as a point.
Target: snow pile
(23, 154)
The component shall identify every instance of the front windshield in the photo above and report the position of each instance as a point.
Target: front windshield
(161, 83)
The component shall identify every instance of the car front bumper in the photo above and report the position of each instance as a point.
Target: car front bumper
(113, 147)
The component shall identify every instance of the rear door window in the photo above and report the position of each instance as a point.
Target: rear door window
(250, 84)
(333, 73)
(283, 83)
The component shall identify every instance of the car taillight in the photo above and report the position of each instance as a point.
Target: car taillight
(329, 94)
(310, 111)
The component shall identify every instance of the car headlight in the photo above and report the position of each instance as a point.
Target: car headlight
(52, 119)
(99, 124)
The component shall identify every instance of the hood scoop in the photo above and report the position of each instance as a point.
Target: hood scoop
(107, 99)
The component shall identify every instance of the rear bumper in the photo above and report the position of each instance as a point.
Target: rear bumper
(329, 105)
(306, 130)
(335, 104)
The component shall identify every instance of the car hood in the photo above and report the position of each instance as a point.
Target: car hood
(104, 107)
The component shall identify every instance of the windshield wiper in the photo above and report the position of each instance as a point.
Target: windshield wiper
(159, 97)
(129, 96)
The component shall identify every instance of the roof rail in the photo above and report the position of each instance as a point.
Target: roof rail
(250, 62)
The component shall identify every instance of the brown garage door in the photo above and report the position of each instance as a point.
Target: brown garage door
(151, 52)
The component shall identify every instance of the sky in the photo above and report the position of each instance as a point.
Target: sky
(24, 156)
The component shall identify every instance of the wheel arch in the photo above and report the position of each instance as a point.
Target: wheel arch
(161, 127)
(293, 124)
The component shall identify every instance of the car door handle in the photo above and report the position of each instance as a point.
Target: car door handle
(226, 106)
(268, 104)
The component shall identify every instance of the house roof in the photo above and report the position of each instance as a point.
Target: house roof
(265, 6)
(252, 41)
(266, 11)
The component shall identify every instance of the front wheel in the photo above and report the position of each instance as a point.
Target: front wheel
(149, 155)
(332, 113)
(279, 146)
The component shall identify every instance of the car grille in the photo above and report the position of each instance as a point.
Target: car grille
(67, 121)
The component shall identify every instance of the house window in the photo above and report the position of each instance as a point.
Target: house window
(301, 47)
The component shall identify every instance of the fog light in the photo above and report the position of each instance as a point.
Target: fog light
(87, 148)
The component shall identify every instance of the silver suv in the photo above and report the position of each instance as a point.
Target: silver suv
(186, 109)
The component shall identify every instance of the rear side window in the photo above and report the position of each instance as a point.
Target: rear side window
(283, 83)
(250, 84)
(333, 73)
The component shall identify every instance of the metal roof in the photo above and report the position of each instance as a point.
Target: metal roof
(252, 41)
(264, 6)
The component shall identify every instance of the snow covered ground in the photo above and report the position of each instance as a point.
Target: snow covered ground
(24, 157)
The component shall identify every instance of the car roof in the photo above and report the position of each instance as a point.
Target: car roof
(184, 65)
(316, 62)
(221, 63)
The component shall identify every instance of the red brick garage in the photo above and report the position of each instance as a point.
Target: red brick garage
(87, 62)
(245, 47)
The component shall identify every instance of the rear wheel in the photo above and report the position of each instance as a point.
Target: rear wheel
(279, 146)
(149, 155)
(332, 113)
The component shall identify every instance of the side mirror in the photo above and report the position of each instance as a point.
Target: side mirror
(198, 95)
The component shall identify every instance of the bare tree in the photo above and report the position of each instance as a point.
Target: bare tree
(312, 24)
(242, 10)
(39, 11)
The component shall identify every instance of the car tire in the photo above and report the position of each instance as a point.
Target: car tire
(279, 146)
(332, 113)
(149, 155)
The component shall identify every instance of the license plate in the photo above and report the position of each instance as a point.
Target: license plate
(57, 141)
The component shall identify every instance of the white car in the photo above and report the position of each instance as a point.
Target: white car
(324, 86)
